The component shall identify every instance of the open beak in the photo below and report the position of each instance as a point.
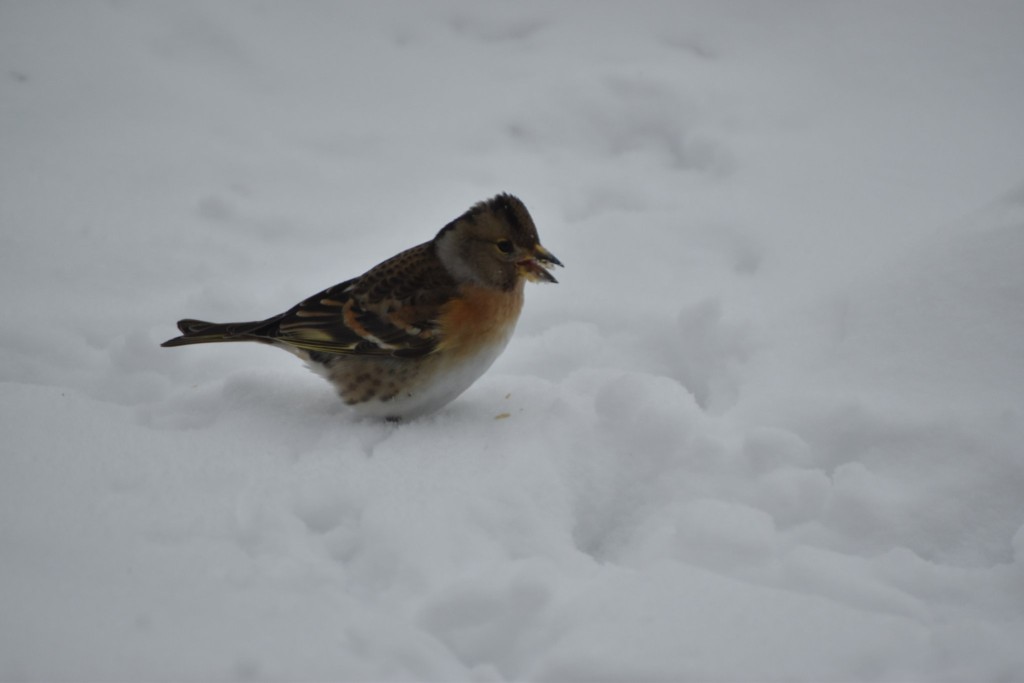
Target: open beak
(535, 268)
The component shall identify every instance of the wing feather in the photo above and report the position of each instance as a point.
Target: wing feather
(391, 310)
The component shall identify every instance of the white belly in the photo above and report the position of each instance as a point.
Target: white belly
(431, 394)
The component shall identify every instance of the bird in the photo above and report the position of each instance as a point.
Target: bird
(411, 334)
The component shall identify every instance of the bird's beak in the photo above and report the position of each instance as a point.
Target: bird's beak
(534, 269)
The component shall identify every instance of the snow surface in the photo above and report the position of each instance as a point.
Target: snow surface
(768, 427)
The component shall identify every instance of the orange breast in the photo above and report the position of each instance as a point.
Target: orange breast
(478, 317)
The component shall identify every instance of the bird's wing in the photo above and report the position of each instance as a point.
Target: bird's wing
(391, 310)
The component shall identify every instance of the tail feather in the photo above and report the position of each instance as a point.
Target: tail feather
(202, 332)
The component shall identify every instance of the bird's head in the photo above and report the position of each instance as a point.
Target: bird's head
(495, 244)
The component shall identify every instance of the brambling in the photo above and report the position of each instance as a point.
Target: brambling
(412, 333)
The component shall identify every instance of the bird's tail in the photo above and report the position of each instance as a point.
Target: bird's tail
(202, 332)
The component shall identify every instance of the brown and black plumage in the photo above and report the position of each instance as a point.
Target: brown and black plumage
(415, 331)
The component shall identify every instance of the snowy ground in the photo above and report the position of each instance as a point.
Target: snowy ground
(768, 427)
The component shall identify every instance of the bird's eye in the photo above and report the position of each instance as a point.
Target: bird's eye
(505, 247)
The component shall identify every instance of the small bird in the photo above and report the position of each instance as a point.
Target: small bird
(409, 335)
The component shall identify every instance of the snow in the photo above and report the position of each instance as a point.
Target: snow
(767, 427)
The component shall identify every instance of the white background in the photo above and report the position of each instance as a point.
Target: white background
(768, 427)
